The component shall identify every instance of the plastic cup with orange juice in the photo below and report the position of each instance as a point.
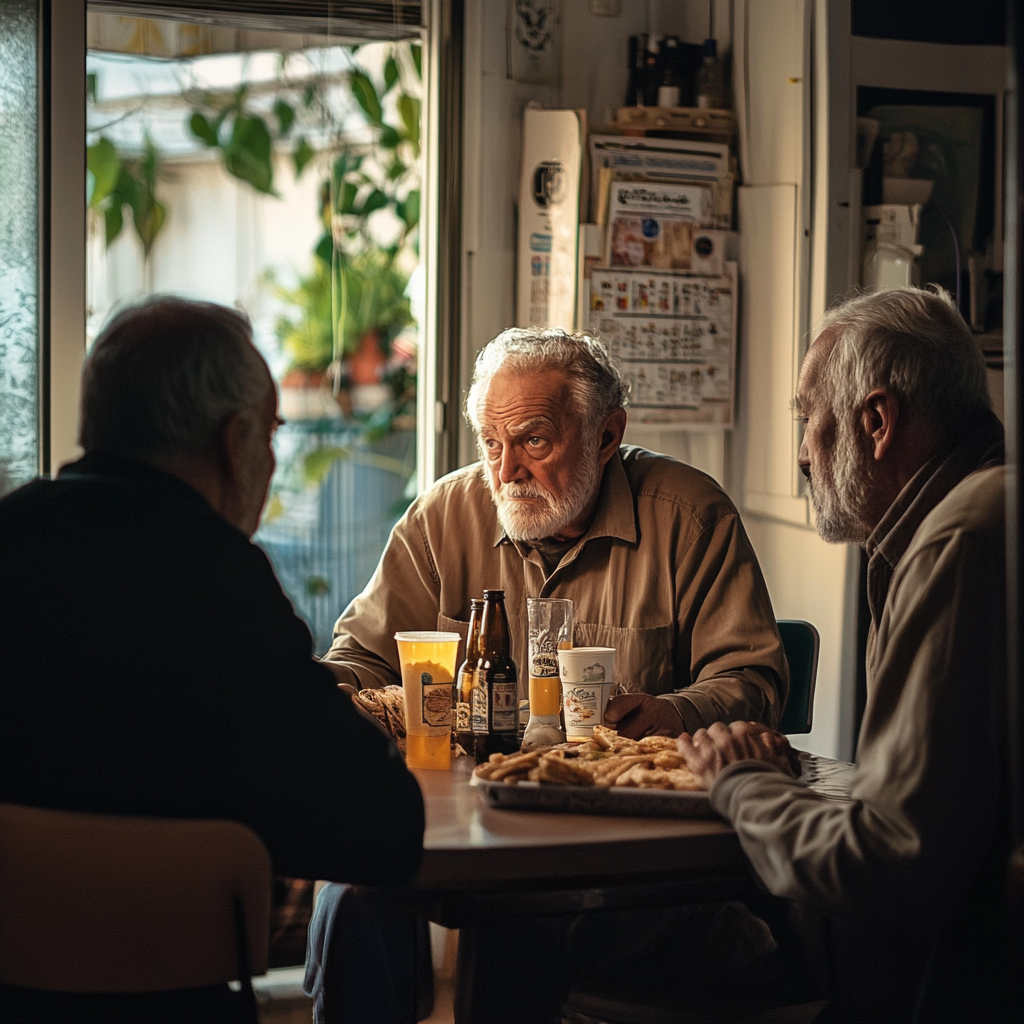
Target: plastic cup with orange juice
(427, 660)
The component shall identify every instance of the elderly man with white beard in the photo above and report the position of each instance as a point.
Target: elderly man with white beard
(651, 552)
(903, 885)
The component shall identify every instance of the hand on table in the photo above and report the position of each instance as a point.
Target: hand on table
(635, 715)
(342, 672)
(709, 750)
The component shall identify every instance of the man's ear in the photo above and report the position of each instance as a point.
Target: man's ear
(880, 415)
(234, 439)
(611, 435)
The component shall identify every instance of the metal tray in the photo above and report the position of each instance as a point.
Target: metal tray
(616, 800)
(829, 778)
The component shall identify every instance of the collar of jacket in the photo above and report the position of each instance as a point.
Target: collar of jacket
(615, 515)
(133, 473)
(980, 447)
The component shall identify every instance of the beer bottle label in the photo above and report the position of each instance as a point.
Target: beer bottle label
(478, 711)
(505, 706)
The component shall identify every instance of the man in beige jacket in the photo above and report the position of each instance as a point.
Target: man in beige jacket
(904, 882)
(651, 552)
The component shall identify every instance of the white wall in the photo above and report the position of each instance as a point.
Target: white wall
(809, 579)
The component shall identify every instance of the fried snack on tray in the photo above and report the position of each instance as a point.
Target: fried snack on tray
(561, 770)
(608, 759)
(387, 705)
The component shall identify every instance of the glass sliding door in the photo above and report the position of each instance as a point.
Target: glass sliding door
(279, 172)
(20, 300)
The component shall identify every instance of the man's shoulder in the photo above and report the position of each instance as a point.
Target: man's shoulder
(97, 514)
(976, 507)
(665, 480)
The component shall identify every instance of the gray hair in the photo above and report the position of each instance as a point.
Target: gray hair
(596, 386)
(912, 342)
(164, 375)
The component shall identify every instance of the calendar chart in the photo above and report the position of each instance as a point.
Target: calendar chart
(673, 337)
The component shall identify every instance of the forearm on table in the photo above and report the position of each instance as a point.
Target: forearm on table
(843, 857)
(787, 831)
(741, 696)
(360, 668)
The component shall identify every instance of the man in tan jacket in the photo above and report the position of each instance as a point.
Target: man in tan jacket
(651, 552)
(904, 882)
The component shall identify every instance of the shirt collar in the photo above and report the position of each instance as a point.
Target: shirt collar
(615, 515)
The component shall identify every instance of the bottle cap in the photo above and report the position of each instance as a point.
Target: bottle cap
(494, 595)
(710, 48)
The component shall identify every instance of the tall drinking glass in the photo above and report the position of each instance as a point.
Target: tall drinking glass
(551, 621)
(428, 673)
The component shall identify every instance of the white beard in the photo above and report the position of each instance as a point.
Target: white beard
(839, 491)
(546, 515)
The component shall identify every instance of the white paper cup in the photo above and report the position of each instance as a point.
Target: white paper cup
(584, 705)
(587, 665)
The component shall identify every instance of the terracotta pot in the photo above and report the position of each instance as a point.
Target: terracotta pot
(367, 362)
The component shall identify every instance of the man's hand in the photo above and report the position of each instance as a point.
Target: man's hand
(711, 749)
(342, 673)
(639, 714)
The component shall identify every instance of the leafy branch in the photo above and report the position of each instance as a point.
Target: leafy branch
(115, 182)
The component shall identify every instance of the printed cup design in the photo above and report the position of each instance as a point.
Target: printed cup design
(437, 702)
(584, 707)
(591, 665)
(581, 705)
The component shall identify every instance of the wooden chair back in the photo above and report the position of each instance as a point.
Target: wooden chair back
(95, 903)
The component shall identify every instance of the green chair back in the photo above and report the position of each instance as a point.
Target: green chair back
(800, 642)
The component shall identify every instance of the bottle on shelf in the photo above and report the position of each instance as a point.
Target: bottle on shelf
(669, 92)
(465, 679)
(710, 79)
(652, 71)
(495, 704)
(637, 56)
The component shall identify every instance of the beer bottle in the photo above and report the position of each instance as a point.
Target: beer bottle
(465, 677)
(495, 711)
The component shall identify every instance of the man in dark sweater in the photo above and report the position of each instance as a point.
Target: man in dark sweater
(149, 662)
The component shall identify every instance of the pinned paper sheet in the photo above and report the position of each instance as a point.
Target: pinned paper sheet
(549, 201)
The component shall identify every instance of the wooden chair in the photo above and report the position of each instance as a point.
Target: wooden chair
(122, 916)
(800, 641)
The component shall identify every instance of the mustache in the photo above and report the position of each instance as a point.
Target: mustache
(522, 491)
